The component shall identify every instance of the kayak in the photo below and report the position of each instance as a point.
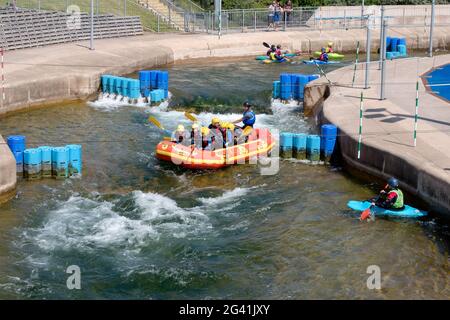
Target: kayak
(288, 55)
(331, 56)
(320, 62)
(268, 61)
(259, 143)
(407, 212)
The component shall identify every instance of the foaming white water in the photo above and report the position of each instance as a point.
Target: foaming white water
(85, 224)
(278, 104)
(107, 103)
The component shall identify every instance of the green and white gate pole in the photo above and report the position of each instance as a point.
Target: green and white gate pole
(416, 116)
(360, 125)
(356, 63)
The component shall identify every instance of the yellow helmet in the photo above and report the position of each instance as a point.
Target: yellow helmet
(224, 124)
(205, 131)
(215, 120)
(230, 126)
(195, 125)
(330, 44)
(180, 127)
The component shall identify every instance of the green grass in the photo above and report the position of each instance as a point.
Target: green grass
(148, 19)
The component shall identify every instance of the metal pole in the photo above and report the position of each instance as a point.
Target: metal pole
(383, 60)
(360, 124)
(381, 34)
(356, 63)
(243, 22)
(368, 45)
(91, 47)
(170, 15)
(362, 12)
(416, 117)
(255, 21)
(124, 7)
(430, 50)
(158, 24)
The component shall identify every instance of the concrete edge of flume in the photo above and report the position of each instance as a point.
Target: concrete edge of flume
(72, 86)
(422, 179)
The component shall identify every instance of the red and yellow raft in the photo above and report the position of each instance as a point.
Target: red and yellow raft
(260, 143)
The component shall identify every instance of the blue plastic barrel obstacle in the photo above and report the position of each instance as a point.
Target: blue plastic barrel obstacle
(32, 164)
(286, 86)
(105, 83)
(313, 148)
(145, 82)
(46, 161)
(17, 145)
(327, 141)
(153, 79)
(157, 95)
(389, 55)
(134, 89)
(276, 89)
(402, 50)
(299, 146)
(313, 77)
(60, 162)
(394, 42)
(110, 84)
(388, 44)
(286, 145)
(163, 82)
(303, 81)
(75, 162)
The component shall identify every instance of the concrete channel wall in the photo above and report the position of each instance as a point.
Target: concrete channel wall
(7, 172)
(70, 71)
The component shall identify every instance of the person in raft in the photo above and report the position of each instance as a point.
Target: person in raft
(216, 134)
(391, 197)
(181, 136)
(248, 117)
(329, 48)
(196, 136)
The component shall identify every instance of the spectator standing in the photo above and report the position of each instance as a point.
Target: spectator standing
(288, 11)
(271, 16)
(277, 15)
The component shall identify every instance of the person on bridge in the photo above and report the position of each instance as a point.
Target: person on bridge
(391, 197)
(248, 117)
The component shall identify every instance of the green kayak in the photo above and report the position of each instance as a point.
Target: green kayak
(331, 56)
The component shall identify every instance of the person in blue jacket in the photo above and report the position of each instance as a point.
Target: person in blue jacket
(248, 117)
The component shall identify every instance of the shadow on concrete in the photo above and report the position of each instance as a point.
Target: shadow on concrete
(393, 119)
(399, 143)
(376, 115)
(359, 97)
(376, 110)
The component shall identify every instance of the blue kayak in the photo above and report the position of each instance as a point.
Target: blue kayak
(407, 212)
(319, 62)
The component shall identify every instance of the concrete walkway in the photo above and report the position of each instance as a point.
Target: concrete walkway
(388, 145)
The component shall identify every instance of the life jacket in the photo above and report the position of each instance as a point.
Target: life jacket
(196, 138)
(323, 56)
(398, 204)
(250, 121)
(273, 56)
(216, 137)
(329, 50)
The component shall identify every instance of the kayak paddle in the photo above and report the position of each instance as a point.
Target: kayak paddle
(366, 213)
(265, 44)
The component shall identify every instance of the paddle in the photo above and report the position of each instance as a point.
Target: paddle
(160, 126)
(366, 213)
(190, 117)
(265, 44)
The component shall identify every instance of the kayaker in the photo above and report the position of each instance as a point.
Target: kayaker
(391, 197)
(196, 136)
(181, 136)
(272, 49)
(248, 117)
(216, 134)
(329, 48)
(323, 55)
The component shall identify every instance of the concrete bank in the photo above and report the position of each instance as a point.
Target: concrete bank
(7, 172)
(387, 139)
(71, 71)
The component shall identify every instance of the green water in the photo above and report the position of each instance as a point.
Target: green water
(140, 229)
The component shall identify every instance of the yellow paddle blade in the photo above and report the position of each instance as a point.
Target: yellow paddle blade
(247, 131)
(190, 116)
(167, 139)
(155, 122)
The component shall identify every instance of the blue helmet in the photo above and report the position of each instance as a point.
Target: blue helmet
(392, 182)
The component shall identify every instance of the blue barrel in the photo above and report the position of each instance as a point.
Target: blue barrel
(110, 84)
(46, 163)
(303, 81)
(145, 82)
(154, 78)
(124, 87)
(106, 86)
(295, 85)
(16, 143)
(395, 54)
(157, 95)
(402, 42)
(299, 146)
(389, 55)
(276, 90)
(313, 77)
(135, 90)
(402, 50)
(286, 145)
(162, 80)
(115, 84)
(313, 147)
(394, 43)
(32, 164)
(286, 86)
(327, 141)
(60, 162)
(75, 161)
(388, 43)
